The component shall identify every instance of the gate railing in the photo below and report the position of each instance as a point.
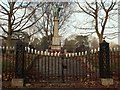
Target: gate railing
(29, 58)
(46, 66)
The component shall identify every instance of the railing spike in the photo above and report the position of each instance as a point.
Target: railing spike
(55, 54)
(111, 49)
(3, 47)
(25, 48)
(114, 48)
(38, 52)
(6, 47)
(75, 54)
(117, 48)
(82, 53)
(35, 51)
(32, 50)
(28, 48)
(91, 50)
(86, 52)
(58, 54)
(41, 52)
(51, 54)
(48, 53)
(98, 49)
(69, 54)
(45, 53)
(66, 55)
(95, 50)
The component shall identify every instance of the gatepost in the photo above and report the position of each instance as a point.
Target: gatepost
(104, 64)
(19, 65)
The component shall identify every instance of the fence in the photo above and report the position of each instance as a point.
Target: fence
(44, 66)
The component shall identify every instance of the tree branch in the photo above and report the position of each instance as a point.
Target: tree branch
(111, 6)
(4, 8)
(3, 29)
(104, 23)
(90, 6)
(22, 18)
(21, 29)
(3, 36)
(103, 7)
(96, 20)
(3, 19)
(3, 12)
(85, 10)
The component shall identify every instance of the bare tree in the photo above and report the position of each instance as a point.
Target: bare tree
(76, 42)
(46, 25)
(93, 9)
(16, 18)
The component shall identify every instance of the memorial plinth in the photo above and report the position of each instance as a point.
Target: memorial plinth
(56, 38)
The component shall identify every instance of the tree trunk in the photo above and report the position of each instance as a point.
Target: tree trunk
(8, 43)
(100, 38)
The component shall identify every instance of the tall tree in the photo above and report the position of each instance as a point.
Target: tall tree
(69, 45)
(44, 44)
(94, 9)
(16, 18)
(45, 26)
(78, 43)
